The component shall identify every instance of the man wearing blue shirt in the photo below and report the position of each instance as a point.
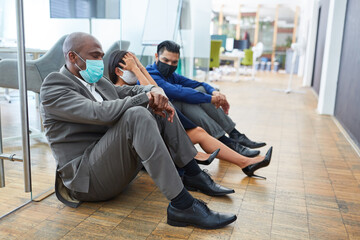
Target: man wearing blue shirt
(200, 102)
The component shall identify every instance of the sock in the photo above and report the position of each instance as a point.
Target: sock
(181, 171)
(225, 140)
(192, 168)
(183, 200)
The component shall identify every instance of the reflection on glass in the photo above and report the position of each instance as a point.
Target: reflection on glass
(12, 194)
(37, 22)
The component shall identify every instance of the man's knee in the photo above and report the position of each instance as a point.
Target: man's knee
(137, 112)
(201, 89)
(136, 115)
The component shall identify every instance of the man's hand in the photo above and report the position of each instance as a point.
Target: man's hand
(159, 102)
(130, 63)
(216, 101)
(222, 102)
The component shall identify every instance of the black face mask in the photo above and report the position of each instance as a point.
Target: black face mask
(165, 69)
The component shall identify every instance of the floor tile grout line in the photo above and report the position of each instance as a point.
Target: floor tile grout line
(277, 175)
(303, 178)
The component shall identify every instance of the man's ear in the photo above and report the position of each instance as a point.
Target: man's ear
(72, 57)
(156, 57)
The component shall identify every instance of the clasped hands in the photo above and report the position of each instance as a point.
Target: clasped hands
(159, 103)
(219, 100)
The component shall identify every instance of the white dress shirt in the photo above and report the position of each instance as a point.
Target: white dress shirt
(91, 88)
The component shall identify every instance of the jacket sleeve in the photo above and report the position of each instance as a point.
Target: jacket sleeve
(62, 100)
(124, 91)
(181, 93)
(186, 82)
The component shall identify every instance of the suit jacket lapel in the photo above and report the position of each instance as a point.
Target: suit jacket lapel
(67, 73)
(102, 89)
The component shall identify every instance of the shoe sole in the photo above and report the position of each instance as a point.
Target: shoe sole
(211, 158)
(252, 146)
(256, 146)
(184, 224)
(209, 194)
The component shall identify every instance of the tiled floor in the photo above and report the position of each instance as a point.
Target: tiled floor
(312, 189)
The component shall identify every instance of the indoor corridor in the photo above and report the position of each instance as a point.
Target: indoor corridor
(311, 191)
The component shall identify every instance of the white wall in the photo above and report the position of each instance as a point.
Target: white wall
(196, 41)
(8, 21)
(199, 35)
(133, 15)
(200, 19)
(311, 18)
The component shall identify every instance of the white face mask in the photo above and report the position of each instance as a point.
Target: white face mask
(128, 77)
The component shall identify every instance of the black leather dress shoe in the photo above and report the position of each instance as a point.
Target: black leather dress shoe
(237, 147)
(203, 183)
(198, 215)
(245, 141)
(210, 159)
(249, 170)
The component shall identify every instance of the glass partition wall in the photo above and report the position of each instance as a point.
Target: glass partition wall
(12, 191)
(42, 35)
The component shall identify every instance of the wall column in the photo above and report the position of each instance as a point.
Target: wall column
(332, 56)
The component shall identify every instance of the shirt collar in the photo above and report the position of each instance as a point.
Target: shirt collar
(86, 84)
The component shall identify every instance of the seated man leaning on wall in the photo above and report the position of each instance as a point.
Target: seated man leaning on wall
(98, 132)
(198, 101)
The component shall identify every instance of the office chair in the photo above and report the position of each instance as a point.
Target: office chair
(214, 59)
(36, 70)
(220, 37)
(215, 53)
(248, 59)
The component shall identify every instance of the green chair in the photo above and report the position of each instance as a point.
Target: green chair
(248, 58)
(215, 53)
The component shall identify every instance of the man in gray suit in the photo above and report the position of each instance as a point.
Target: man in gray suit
(98, 132)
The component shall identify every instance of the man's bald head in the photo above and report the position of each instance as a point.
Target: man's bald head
(76, 41)
(77, 48)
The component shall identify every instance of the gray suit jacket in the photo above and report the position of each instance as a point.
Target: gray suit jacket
(74, 121)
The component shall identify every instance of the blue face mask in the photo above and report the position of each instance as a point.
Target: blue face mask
(94, 70)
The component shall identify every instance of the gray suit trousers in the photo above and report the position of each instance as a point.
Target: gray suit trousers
(214, 121)
(139, 134)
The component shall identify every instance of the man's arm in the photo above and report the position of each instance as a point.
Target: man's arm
(180, 93)
(124, 91)
(218, 99)
(186, 82)
(62, 100)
